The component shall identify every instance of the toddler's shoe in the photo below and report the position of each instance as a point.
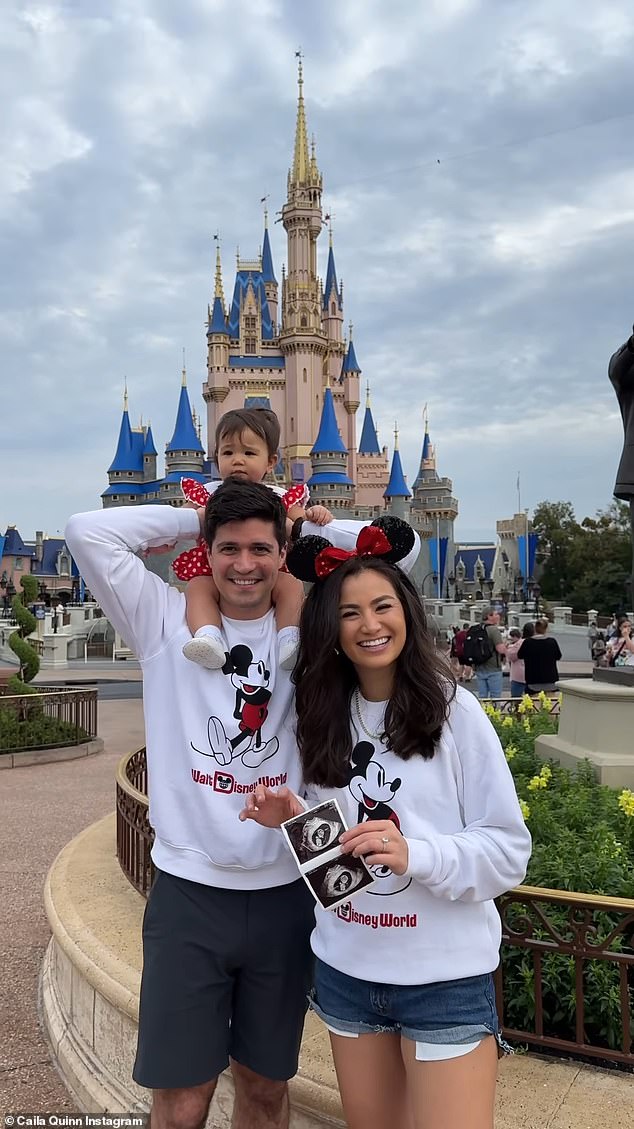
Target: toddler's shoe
(207, 649)
(288, 647)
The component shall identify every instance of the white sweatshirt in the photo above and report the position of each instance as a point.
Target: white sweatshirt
(467, 843)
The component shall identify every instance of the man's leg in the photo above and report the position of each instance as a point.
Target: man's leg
(495, 684)
(181, 1109)
(259, 1103)
(270, 1002)
(482, 682)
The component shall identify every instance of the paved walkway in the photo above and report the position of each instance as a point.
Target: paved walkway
(41, 808)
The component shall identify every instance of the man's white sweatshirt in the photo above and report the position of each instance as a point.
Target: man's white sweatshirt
(467, 844)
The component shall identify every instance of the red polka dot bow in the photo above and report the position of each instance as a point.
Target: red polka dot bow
(371, 542)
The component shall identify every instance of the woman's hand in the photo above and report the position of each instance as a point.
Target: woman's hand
(369, 840)
(271, 809)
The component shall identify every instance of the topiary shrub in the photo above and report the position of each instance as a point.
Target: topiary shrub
(27, 623)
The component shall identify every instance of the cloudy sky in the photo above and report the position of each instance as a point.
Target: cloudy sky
(477, 157)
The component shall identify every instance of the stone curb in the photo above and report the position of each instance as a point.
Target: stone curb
(26, 757)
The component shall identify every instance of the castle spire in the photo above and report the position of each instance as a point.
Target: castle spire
(184, 372)
(369, 442)
(350, 362)
(397, 486)
(218, 292)
(332, 292)
(125, 393)
(301, 165)
(427, 466)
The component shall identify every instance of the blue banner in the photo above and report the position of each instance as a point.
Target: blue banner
(82, 590)
(433, 554)
(444, 541)
(533, 542)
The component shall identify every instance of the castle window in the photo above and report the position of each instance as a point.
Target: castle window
(305, 376)
(303, 321)
(292, 423)
(250, 345)
(249, 322)
(333, 308)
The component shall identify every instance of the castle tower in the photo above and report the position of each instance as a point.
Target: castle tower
(397, 494)
(303, 342)
(371, 462)
(184, 454)
(329, 483)
(217, 386)
(150, 455)
(268, 274)
(434, 502)
(125, 473)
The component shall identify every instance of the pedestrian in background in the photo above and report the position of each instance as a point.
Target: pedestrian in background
(517, 674)
(541, 654)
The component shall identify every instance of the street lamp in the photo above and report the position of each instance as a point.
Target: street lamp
(536, 594)
(434, 577)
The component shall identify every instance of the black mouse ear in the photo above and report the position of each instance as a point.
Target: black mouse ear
(300, 560)
(362, 755)
(400, 535)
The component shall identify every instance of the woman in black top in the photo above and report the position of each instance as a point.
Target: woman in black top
(541, 655)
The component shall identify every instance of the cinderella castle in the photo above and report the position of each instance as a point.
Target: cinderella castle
(282, 346)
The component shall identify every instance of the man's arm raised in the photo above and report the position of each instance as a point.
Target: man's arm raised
(105, 543)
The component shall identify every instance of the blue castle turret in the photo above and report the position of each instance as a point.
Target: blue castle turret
(397, 493)
(329, 484)
(184, 454)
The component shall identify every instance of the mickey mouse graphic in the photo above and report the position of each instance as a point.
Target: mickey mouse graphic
(250, 680)
(374, 794)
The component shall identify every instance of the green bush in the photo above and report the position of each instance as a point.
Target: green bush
(35, 730)
(26, 654)
(583, 840)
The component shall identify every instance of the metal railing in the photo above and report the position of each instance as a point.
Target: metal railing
(48, 719)
(581, 931)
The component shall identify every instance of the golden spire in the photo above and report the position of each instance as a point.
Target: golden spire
(125, 393)
(184, 372)
(299, 174)
(367, 395)
(426, 419)
(395, 435)
(219, 291)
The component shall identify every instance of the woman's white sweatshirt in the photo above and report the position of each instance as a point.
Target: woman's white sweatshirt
(467, 844)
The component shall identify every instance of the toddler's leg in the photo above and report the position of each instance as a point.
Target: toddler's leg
(288, 597)
(203, 619)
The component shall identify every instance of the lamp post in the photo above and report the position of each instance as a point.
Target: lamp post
(434, 577)
(451, 584)
(536, 594)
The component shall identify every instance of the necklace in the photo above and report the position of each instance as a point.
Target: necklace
(368, 732)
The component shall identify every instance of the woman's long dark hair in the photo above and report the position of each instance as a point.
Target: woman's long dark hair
(325, 680)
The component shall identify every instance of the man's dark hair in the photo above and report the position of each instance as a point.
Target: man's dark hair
(261, 421)
(240, 501)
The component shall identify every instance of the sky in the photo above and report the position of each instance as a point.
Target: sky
(477, 161)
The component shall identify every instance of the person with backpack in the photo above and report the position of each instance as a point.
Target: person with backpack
(484, 649)
(461, 669)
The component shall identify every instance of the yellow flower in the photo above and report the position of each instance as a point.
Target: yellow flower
(545, 703)
(524, 808)
(528, 702)
(510, 752)
(546, 772)
(626, 802)
(526, 725)
(508, 722)
(537, 782)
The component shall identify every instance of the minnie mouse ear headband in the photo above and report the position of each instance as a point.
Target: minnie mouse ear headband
(314, 558)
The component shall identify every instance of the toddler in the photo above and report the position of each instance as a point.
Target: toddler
(247, 442)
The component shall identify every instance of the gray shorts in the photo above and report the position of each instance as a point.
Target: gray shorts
(226, 974)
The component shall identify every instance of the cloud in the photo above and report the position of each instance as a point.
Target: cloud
(476, 161)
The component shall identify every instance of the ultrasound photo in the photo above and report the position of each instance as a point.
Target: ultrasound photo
(314, 832)
(334, 882)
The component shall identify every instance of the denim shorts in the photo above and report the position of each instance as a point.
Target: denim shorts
(449, 1013)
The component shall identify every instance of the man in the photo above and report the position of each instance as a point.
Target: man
(227, 961)
(540, 656)
(489, 673)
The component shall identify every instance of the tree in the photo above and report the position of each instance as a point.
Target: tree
(587, 562)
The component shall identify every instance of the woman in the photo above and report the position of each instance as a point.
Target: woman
(540, 655)
(620, 650)
(403, 972)
(517, 674)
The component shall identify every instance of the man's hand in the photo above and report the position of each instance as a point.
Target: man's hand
(319, 515)
(271, 809)
(369, 841)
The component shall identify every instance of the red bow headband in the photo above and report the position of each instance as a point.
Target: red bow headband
(371, 542)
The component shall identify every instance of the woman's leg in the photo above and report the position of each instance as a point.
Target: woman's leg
(372, 1081)
(454, 1093)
